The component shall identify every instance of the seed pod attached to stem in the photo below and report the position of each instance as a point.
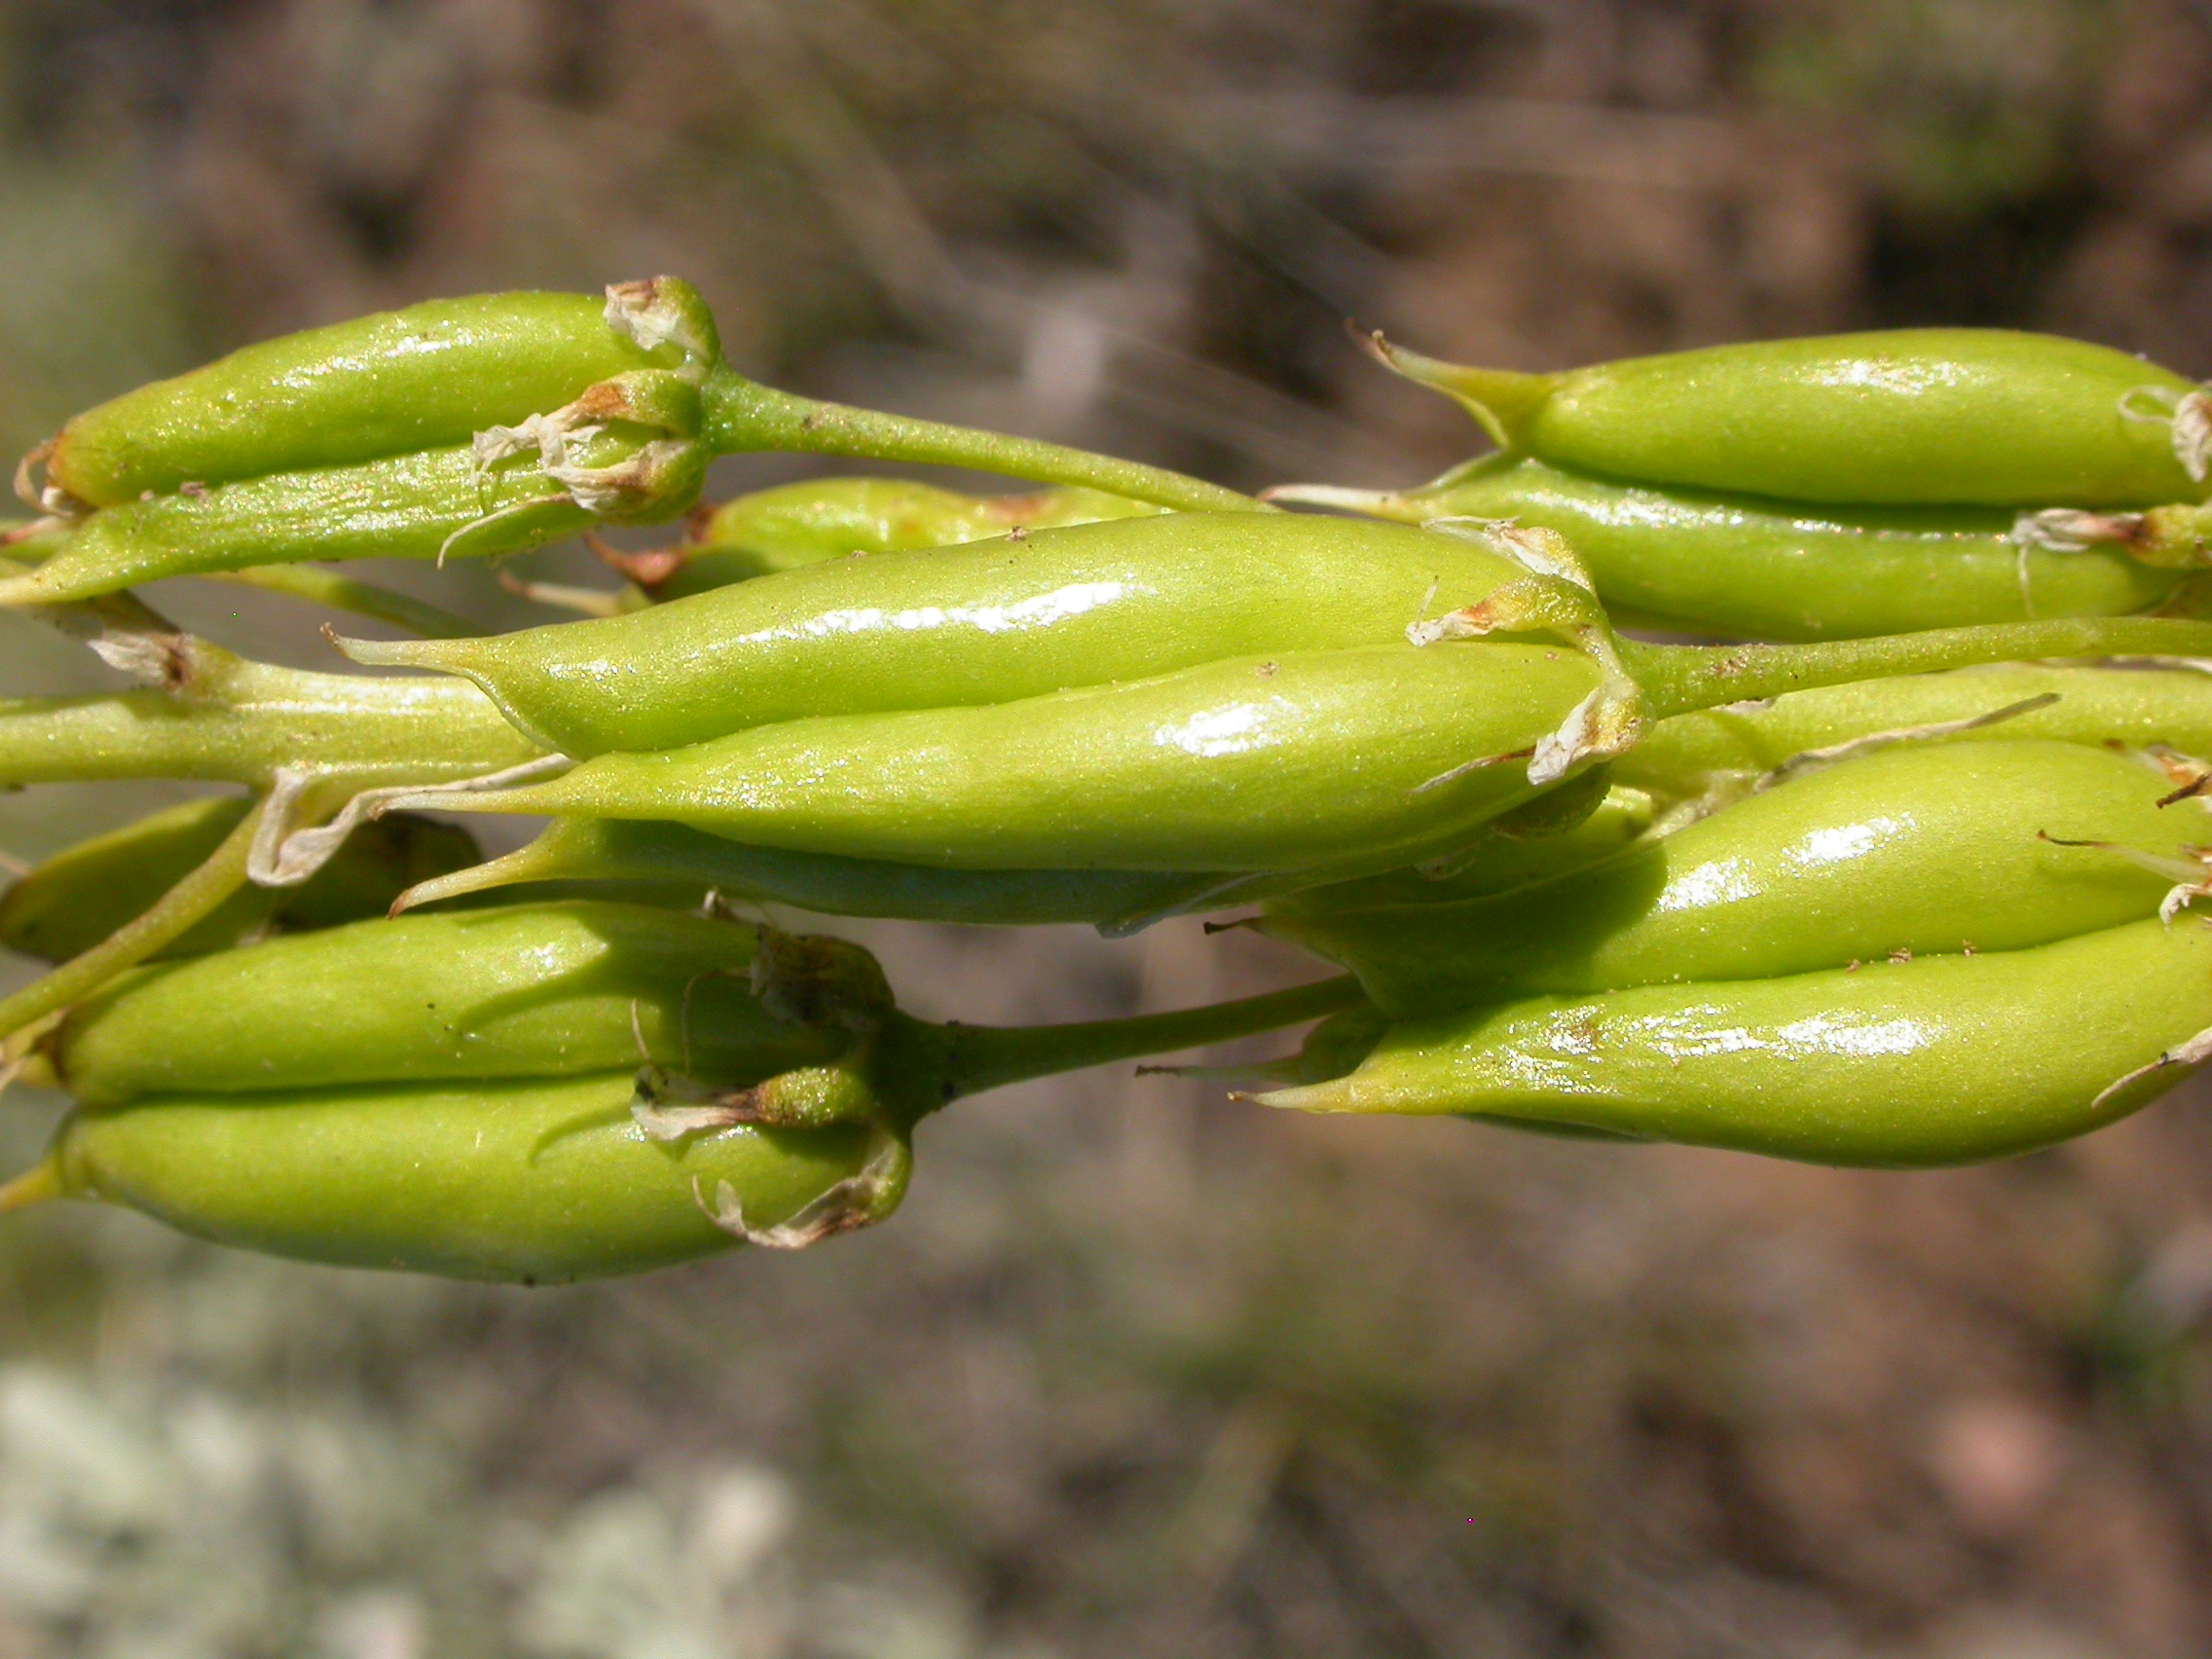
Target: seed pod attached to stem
(466, 427)
(1960, 417)
(1940, 1059)
(1791, 571)
(553, 1171)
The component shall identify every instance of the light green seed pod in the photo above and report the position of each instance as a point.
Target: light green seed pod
(428, 377)
(2135, 707)
(1908, 850)
(962, 627)
(427, 506)
(1510, 852)
(542, 1182)
(534, 990)
(624, 851)
(793, 525)
(1943, 1059)
(1777, 571)
(1328, 765)
(1963, 416)
(595, 850)
(586, 1171)
(72, 900)
(1250, 764)
(411, 435)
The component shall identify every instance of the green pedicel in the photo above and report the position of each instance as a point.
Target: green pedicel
(987, 623)
(1912, 849)
(1768, 569)
(1961, 417)
(72, 900)
(795, 524)
(1943, 1059)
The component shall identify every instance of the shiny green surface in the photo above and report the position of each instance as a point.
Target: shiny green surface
(426, 376)
(402, 507)
(982, 624)
(1906, 417)
(72, 900)
(2136, 707)
(612, 849)
(1943, 1059)
(1908, 849)
(1490, 863)
(1249, 764)
(792, 525)
(1765, 569)
(542, 1182)
(386, 730)
(527, 992)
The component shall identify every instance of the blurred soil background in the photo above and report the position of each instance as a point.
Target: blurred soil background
(1136, 1372)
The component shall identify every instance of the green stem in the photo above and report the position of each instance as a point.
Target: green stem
(967, 1059)
(745, 416)
(1680, 678)
(108, 617)
(183, 907)
(336, 592)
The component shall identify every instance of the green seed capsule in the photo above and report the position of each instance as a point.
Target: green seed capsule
(533, 990)
(345, 439)
(1909, 417)
(1943, 1059)
(1717, 754)
(428, 376)
(957, 627)
(540, 1182)
(832, 518)
(2138, 708)
(617, 850)
(1768, 569)
(77, 897)
(1910, 850)
(425, 506)
(1249, 764)
(1506, 855)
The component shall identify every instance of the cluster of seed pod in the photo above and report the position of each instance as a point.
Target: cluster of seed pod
(1903, 877)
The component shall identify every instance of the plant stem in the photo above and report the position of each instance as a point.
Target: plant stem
(744, 416)
(178, 910)
(967, 1059)
(336, 592)
(1680, 678)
